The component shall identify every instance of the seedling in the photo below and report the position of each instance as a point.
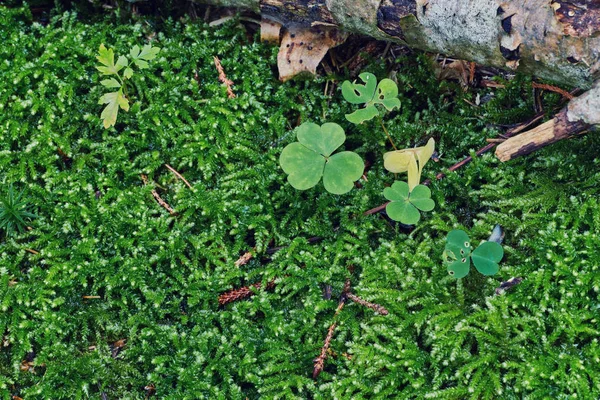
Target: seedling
(405, 204)
(118, 99)
(409, 160)
(309, 159)
(13, 212)
(370, 94)
(458, 255)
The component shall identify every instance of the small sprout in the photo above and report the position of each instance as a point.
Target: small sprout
(13, 213)
(309, 159)
(404, 204)
(485, 257)
(386, 94)
(406, 161)
(118, 99)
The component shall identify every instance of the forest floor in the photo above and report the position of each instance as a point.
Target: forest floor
(109, 293)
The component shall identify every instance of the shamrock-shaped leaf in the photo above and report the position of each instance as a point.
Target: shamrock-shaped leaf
(458, 255)
(113, 101)
(404, 204)
(147, 53)
(486, 257)
(371, 93)
(309, 159)
(107, 58)
(409, 160)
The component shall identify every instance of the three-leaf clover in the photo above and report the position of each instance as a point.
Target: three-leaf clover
(405, 204)
(409, 160)
(118, 99)
(309, 159)
(458, 255)
(371, 93)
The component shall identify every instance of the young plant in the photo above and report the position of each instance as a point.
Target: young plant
(370, 94)
(404, 205)
(458, 255)
(309, 159)
(118, 99)
(409, 160)
(13, 212)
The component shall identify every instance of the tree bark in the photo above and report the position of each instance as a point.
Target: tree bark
(555, 40)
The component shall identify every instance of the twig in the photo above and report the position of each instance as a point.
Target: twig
(158, 198)
(32, 251)
(223, 78)
(375, 307)
(90, 297)
(243, 260)
(555, 89)
(319, 362)
(177, 174)
(243, 292)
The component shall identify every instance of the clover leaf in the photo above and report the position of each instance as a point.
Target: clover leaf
(458, 255)
(309, 159)
(371, 93)
(405, 160)
(404, 204)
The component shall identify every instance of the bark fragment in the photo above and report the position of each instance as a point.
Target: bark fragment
(302, 49)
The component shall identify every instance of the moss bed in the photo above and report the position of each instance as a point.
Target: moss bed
(108, 296)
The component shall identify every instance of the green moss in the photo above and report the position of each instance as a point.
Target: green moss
(99, 232)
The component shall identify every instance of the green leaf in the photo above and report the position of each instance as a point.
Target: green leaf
(486, 257)
(321, 139)
(362, 115)
(397, 192)
(341, 170)
(107, 58)
(110, 83)
(358, 94)
(140, 58)
(128, 73)
(309, 159)
(403, 212)
(459, 268)
(385, 93)
(303, 165)
(113, 101)
(420, 197)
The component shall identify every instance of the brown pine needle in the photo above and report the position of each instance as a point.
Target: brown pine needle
(375, 307)
(91, 297)
(223, 78)
(243, 260)
(32, 251)
(177, 174)
(242, 293)
(555, 89)
(158, 198)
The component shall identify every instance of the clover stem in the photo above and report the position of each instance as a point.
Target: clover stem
(388, 135)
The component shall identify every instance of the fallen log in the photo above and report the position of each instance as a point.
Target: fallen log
(552, 39)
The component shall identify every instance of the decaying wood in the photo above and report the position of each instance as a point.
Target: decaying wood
(303, 48)
(270, 31)
(547, 133)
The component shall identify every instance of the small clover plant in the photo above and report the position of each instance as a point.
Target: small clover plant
(404, 205)
(370, 94)
(458, 255)
(118, 99)
(310, 158)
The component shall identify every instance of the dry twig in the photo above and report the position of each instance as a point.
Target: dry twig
(223, 78)
(158, 198)
(177, 174)
(375, 307)
(243, 260)
(242, 293)
(555, 89)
